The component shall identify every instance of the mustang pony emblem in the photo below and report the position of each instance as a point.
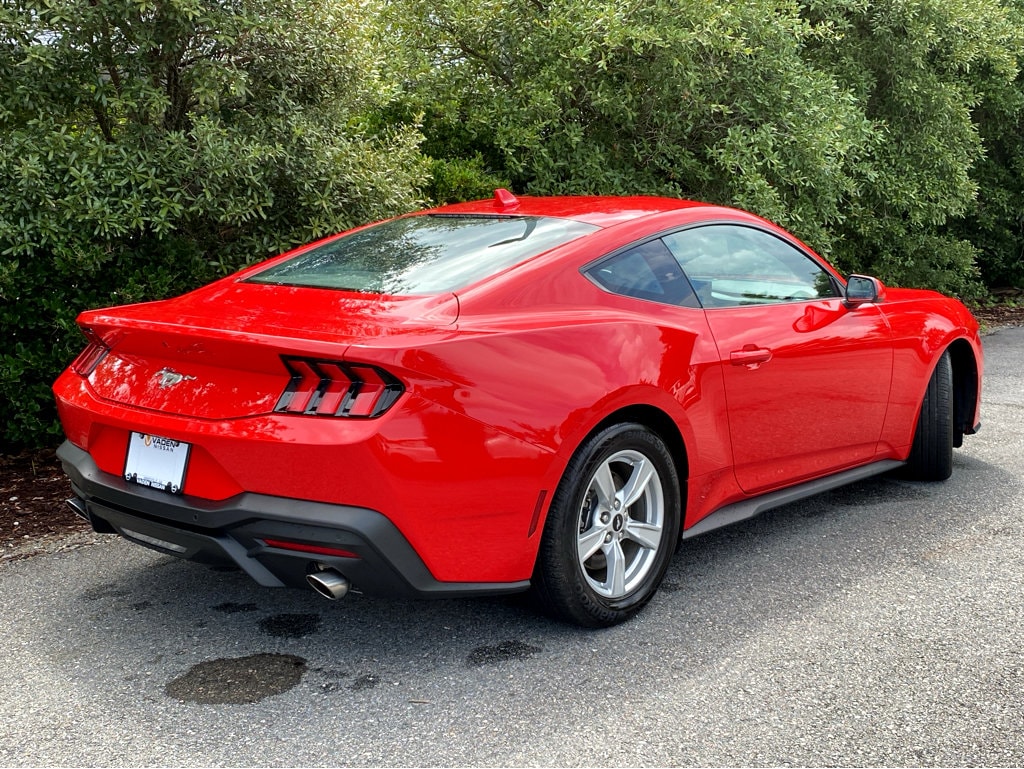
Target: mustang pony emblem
(169, 377)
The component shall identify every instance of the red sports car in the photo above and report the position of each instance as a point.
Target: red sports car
(512, 394)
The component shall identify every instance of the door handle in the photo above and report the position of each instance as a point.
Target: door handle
(750, 356)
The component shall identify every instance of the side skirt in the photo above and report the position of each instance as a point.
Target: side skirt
(748, 508)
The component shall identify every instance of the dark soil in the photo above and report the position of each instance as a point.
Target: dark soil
(33, 487)
(997, 316)
(32, 492)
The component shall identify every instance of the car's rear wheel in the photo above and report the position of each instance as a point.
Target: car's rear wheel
(931, 456)
(611, 530)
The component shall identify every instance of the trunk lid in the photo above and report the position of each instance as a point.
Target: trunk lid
(216, 353)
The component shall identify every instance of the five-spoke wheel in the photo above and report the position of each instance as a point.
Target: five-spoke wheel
(621, 524)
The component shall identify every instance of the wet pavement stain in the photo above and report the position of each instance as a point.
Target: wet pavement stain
(502, 652)
(332, 679)
(110, 590)
(290, 625)
(364, 682)
(229, 607)
(237, 680)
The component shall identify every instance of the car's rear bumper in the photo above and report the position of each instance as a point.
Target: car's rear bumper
(236, 530)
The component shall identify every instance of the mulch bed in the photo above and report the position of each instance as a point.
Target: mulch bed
(33, 487)
(32, 492)
(992, 318)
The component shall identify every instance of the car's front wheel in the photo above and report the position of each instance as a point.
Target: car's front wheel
(931, 456)
(611, 530)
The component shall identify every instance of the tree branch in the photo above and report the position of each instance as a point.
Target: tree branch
(106, 127)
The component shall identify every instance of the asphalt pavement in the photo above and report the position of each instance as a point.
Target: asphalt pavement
(879, 624)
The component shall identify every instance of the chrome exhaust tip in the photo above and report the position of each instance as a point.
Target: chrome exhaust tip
(329, 583)
(78, 506)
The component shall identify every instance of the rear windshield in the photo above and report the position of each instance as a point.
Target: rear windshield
(423, 254)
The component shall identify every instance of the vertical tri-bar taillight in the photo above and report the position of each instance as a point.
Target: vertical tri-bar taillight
(93, 354)
(336, 389)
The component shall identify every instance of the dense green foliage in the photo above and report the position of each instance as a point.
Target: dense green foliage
(917, 70)
(994, 223)
(147, 146)
(705, 100)
(849, 121)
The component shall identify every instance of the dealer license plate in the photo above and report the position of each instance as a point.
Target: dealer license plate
(156, 462)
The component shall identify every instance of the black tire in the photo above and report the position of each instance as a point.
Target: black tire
(630, 542)
(931, 456)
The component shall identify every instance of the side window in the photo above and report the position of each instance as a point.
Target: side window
(648, 271)
(730, 265)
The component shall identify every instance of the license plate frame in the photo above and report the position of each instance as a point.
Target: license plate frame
(157, 462)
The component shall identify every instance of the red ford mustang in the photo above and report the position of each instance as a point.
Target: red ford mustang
(540, 393)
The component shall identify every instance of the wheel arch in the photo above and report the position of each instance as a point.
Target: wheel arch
(654, 418)
(665, 427)
(965, 389)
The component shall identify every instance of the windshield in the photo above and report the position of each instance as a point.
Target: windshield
(424, 254)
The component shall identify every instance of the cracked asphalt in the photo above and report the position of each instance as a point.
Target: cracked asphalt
(879, 624)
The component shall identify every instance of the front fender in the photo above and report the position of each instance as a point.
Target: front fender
(924, 325)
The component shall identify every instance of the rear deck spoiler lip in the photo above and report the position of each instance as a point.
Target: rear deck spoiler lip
(184, 315)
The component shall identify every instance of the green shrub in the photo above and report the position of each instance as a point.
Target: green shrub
(849, 121)
(455, 180)
(145, 149)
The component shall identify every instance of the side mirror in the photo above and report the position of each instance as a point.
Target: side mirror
(861, 289)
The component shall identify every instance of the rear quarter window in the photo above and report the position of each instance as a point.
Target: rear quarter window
(647, 271)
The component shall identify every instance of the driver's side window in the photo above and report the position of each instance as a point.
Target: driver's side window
(731, 265)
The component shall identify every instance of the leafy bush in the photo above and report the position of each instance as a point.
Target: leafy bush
(849, 121)
(459, 179)
(918, 72)
(145, 149)
(994, 223)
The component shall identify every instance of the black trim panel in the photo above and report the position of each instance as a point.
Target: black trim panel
(748, 508)
(232, 532)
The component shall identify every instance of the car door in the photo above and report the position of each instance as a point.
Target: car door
(806, 378)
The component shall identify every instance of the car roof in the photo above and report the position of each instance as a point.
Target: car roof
(599, 210)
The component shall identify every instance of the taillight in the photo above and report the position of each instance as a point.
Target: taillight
(330, 388)
(89, 358)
